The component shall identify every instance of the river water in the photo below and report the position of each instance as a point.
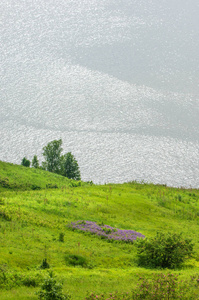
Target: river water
(118, 81)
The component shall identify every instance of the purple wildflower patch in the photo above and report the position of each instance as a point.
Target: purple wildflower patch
(106, 231)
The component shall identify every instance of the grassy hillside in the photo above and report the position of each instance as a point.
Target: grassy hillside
(17, 177)
(33, 226)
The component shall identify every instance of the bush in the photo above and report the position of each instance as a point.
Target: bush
(164, 250)
(51, 186)
(30, 282)
(35, 162)
(61, 237)
(35, 187)
(5, 216)
(45, 264)
(51, 290)
(25, 162)
(76, 260)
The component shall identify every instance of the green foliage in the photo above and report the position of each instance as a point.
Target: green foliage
(35, 187)
(52, 155)
(74, 183)
(52, 290)
(51, 186)
(69, 167)
(61, 237)
(44, 264)
(4, 182)
(4, 215)
(164, 250)
(25, 162)
(35, 162)
(65, 165)
(10, 279)
(165, 286)
(76, 260)
(30, 281)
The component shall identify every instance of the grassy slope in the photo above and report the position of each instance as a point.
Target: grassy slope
(17, 177)
(34, 219)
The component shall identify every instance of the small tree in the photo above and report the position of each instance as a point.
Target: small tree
(69, 167)
(52, 155)
(65, 165)
(45, 264)
(51, 290)
(35, 162)
(25, 162)
(164, 250)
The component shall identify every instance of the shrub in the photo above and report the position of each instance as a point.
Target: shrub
(30, 282)
(61, 237)
(35, 187)
(51, 186)
(164, 250)
(5, 216)
(52, 290)
(25, 162)
(35, 162)
(76, 260)
(45, 264)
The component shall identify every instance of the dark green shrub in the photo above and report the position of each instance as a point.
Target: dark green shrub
(5, 216)
(52, 290)
(75, 183)
(179, 198)
(30, 282)
(51, 186)
(45, 264)
(164, 250)
(35, 162)
(61, 237)
(2, 202)
(35, 187)
(3, 275)
(25, 162)
(76, 260)
(4, 182)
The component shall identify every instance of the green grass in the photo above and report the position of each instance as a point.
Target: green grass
(17, 177)
(31, 222)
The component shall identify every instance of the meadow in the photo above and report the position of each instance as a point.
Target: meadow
(36, 208)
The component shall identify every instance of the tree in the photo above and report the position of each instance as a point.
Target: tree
(52, 155)
(65, 165)
(69, 167)
(52, 290)
(35, 162)
(25, 162)
(164, 250)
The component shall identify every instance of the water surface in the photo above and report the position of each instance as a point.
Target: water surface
(118, 81)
